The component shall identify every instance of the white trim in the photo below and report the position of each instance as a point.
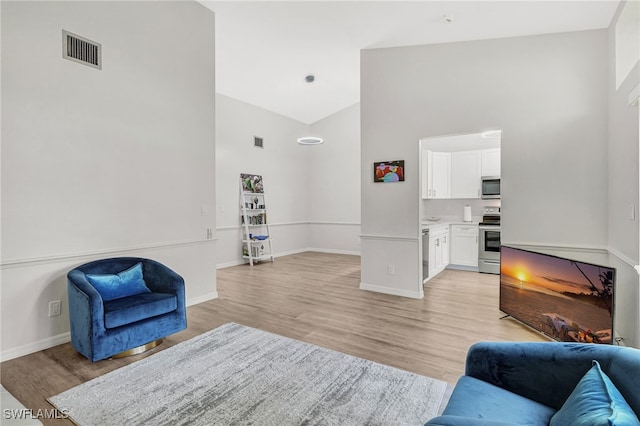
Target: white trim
(583, 249)
(230, 264)
(334, 251)
(623, 258)
(391, 290)
(246, 262)
(17, 263)
(334, 223)
(287, 253)
(36, 346)
(276, 255)
(60, 339)
(388, 238)
(634, 96)
(204, 298)
(232, 227)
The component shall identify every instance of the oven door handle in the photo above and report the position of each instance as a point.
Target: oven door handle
(489, 228)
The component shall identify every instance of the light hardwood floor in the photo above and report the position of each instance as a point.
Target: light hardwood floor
(312, 297)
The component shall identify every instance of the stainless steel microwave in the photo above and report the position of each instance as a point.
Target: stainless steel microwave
(490, 187)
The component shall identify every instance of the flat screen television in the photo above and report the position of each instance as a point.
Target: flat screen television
(568, 300)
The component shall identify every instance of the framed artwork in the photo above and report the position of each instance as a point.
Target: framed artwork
(388, 171)
(251, 183)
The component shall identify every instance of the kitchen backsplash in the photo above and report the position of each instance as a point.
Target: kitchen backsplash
(454, 209)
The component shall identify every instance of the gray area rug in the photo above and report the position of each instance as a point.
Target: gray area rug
(237, 375)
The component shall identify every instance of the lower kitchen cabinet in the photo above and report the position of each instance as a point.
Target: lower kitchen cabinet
(438, 250)
(464, 245)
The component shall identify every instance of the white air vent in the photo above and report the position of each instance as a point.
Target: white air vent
(81, 50)
(258, 142)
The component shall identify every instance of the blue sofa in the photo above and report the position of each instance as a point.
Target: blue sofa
(527, 383)
(112, 310)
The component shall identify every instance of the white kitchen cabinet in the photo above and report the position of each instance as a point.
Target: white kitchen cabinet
(438, 250)
(435, 175)
(446, 253)
(490, 162)
(464, 245)
(465, 174)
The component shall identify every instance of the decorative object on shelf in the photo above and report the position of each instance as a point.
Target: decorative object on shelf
(251, 183)
(388, 171)
(256, 241)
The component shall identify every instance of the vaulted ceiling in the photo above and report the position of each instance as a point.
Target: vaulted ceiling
(265, 49)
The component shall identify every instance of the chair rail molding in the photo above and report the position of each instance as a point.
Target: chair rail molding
(17, 263)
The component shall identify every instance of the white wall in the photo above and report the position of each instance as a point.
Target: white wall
(623, 180)
(551, 104)
(283, 165)
(101, 163)
(334, 168)
(312, 191)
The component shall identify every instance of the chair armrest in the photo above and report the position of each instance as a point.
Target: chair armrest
(162, 279)
(546, 372)
(449, 420)
(86, 299)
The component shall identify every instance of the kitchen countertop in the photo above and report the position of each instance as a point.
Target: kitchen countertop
(428, 224)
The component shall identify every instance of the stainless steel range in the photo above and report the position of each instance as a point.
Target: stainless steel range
(489, 241)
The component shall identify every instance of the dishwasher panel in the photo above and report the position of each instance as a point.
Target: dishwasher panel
(425, 254)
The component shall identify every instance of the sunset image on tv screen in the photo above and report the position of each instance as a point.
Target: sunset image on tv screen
(568, 300)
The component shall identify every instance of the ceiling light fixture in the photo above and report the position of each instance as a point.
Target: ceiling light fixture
(310, 140)
(448, 18)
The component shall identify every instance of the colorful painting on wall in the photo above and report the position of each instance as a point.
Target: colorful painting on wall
(388, 171)
(251, 183)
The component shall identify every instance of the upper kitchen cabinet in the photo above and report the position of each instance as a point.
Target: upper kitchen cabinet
(453, 166)
(466, 174)
(436, 175)
(490, 162)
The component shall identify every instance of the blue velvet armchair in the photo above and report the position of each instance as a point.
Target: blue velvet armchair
(122, 303)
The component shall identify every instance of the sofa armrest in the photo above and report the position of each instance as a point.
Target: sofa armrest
(449, 420)
(546, 372)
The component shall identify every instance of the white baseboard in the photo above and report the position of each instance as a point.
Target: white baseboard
(63, 338)
(287, 253)
(323, 250)
(389, 290)
(204, 298)
(36, 346)
(229, 264)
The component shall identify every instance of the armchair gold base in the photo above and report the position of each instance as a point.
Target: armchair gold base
(138, 350)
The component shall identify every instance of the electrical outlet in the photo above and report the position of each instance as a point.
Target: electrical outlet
(204, 210)
(209, 234)
(54, 308)
(391, 269)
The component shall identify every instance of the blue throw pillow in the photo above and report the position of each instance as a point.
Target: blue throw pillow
(595, 401)
(126, 283)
